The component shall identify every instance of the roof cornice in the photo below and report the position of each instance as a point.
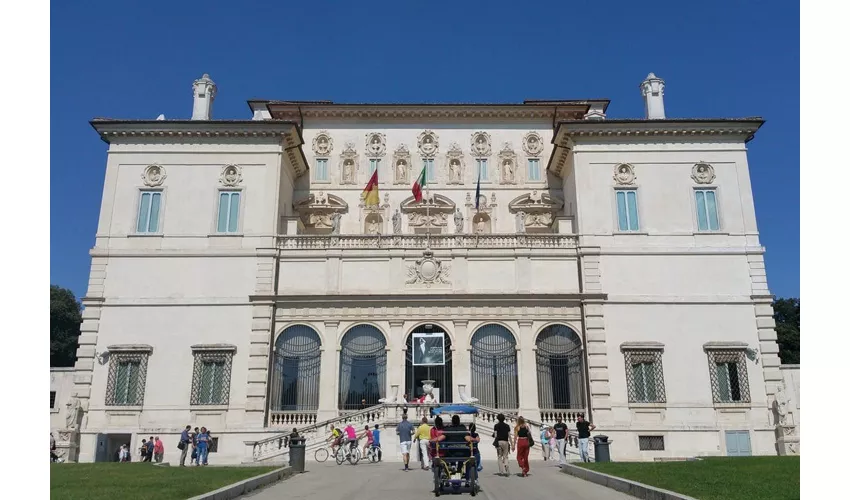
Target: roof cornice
(288, 133)
(549, 111)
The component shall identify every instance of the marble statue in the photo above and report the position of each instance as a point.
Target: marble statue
(401, 170)
(72, 413)
(508, 171)
(348, 171)
(520, 222)
(335, 222)
(373, 226)
(781, 405)
(458, 221)
(480, 226)
(396, 222)
(454, 171)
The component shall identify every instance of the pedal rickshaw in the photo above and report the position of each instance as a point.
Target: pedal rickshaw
(456, 469)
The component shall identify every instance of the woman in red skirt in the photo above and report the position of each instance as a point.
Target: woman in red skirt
(522, 444)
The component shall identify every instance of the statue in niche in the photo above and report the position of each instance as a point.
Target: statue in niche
(458, 221)
(396, 222)
(480, 226)
(336, 219)
(348, 171)
(454, 170)
(72, 413)
(373, 226)
(401, 170)
(520, 222)
(508, 170)
(781, 405)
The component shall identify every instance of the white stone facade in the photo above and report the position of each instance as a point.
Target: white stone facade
(545, 247)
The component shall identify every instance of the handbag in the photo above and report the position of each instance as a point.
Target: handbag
(181, 445)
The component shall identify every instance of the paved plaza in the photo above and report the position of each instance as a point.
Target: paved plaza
(387, 481)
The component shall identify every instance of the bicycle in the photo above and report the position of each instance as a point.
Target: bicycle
(322, 454)
(374, 453)
(350, 452)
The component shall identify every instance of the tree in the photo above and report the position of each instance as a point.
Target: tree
(786, 313)
(65, 320)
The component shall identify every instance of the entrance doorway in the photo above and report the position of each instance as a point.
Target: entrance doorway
(108, 446)
(440, 373)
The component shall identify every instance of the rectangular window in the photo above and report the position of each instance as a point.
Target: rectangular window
(213, 445)
(645, 376)
(211, 377)
(430, 172)
(651, 443)
(707, 219)
(321, 169)
(228, 211)
(374, 164)
(533, 169)
(729, 376)
(627, 214)
(125, 384)
(52, 399)
(482, 169)
(149, 204)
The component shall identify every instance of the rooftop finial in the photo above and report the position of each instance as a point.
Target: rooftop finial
(652, 90)
(204, 90)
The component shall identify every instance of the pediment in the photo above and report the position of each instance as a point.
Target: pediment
(431, 203)
(320, 202)
(535, 201)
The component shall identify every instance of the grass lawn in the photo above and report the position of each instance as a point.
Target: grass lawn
(744, 478)
(141, 480)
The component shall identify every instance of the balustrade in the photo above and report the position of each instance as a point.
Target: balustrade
(415, 241)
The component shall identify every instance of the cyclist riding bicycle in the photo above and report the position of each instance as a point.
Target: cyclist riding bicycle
(335, 439)
(368, 435)
(376, 441)
(351, 435)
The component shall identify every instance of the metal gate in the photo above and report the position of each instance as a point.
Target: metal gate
(363, 367)
(297, 368)
(441, 375)
(560, 369)
(494, 367)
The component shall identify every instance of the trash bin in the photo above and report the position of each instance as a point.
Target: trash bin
(600, 448)
(297, 451)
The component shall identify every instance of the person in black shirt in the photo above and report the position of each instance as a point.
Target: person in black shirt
(561, 440)
(583, 427)
(502, 433)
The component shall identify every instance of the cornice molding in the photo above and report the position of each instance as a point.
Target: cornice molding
(432, 111)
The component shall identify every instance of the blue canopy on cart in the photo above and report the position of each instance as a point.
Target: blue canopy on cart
(455, 410)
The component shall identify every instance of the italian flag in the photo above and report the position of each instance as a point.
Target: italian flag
(418, 185)
(370, 194)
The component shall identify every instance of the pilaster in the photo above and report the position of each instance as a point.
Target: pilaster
(258, 363)
(460, 359)
(599, 398)
(528, 401)
(330, 374)
(395, 357)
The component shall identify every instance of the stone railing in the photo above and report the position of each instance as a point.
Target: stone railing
(290, 419)
(420, 241)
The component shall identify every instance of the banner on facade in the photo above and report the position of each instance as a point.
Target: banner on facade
(429, 349)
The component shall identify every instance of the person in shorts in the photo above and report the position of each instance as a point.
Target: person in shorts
(405, 438)
(335, 439)
(351, 436)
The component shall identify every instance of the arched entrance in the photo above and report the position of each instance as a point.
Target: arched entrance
(494, 367)
(363, 367)
(560, 369)
(416, 372)
(296, 371)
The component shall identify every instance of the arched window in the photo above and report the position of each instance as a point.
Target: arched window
(560, 369)
(363, 367)
(440, 374)
(297, 366)
(494, 367)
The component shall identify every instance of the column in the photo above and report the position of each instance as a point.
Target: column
(395, 359)
(528, 400)
(329, 379)
(460, 359)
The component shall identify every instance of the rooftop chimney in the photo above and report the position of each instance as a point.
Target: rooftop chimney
(653, 97)
(204, 94)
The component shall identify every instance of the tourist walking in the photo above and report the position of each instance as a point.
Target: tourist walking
(423, 435)
(502, 433)
(545, 442)
(203, 446)
(561, 440)
(522, 445)
(583, 427)
(405, 435)
(194, 437)
(124, 453)
(158, 450)
(183, 445)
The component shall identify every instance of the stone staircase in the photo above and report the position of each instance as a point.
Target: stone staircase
(274, 450)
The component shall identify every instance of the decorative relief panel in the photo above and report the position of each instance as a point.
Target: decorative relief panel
(507, 164)
(231, 176)
(535, 211)
(432, 212)
(532, 144)
(376, 144)
(455, 164)
(154, 175)
(624, 174)
(703, 173)
(428, 271)
(323, 145)
(348, 164)
(401, 165)
(428, 144)
(480, 144)
(320, 212)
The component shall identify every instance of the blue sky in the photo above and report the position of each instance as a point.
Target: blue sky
(138, 59)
